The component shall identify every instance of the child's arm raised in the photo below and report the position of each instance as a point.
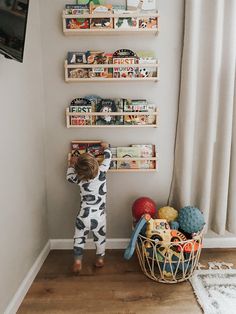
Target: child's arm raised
(71, 175)
(107, 158)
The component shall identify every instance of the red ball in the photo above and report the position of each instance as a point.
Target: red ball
(143, 205)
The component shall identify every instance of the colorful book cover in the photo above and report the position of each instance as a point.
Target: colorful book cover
(80, 105)
(148, 22)
(126, 22)
(146, 151)
(113, 164)
(128, 152)
(95, 149)
(139, 105)
(77, 23)
(127, 57)
(76, 9)
(106, 106)
(78, 148)
(101, 23)
(141, 5)
(80, 119)
(76, 57)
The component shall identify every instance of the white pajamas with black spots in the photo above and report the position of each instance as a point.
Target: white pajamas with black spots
(92, 215)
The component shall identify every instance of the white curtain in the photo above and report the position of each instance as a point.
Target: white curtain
(205, 153)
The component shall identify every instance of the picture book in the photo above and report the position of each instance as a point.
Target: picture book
(113, 164)
(98, 57)
(80, 119)
(74, 57)
(76, 9)
(78, 73)
(138, 105)
(95, 149)
(146, 151)
(77, 23)
(147, 57)
(125, 22)
(85, 3)
(98, 8)
(94, 100)
(78, 148)
(101, 23)
(80, 105)
(148, 22)
(106, 106)
(127, 57)
(128, 152)
(141, 5)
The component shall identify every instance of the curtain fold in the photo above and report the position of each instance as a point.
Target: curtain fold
(204, 168)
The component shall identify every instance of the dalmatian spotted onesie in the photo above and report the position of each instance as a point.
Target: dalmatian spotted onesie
(92, 215)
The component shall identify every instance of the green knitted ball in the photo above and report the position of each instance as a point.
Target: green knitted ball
(190, 219)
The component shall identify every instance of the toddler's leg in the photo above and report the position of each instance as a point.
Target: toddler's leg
(81, 234)
(99, 235)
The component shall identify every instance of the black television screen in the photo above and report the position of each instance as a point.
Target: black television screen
(13, 20)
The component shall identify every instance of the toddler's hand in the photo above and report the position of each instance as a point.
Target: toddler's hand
(105, 145)
(73, 160)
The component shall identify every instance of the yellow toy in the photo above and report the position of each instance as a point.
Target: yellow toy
(168, 213)
(158, 229)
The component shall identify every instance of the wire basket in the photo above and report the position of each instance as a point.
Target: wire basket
(168, 262)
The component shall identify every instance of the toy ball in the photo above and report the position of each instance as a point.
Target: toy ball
(168, 213)
(144, 72)
(174, 225)
(143, 205)
(191, 219)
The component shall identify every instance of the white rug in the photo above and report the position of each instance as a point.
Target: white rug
(215, 289)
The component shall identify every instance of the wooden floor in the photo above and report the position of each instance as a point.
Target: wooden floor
(119, 288)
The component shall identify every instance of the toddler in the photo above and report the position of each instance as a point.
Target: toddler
(91, 178)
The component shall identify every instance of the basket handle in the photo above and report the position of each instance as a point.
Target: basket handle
(131, 246)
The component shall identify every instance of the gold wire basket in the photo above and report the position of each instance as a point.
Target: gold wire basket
(168, 262)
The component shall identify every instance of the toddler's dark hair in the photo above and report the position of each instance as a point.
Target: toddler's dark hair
(86, 167)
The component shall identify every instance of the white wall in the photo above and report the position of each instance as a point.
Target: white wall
(23, 217)
(123, 188)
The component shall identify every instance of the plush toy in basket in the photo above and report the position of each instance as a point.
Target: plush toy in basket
(166, 254)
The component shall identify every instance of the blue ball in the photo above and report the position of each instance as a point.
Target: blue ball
(190, 219)
(174, 225)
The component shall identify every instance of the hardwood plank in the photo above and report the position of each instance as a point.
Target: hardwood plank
(118, 288)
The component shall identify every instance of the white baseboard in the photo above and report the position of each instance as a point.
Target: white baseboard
(67, 244)
(208, 242)
(219, 242)
(26, 283)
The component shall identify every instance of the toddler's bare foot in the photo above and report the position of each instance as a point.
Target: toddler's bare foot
(77, 267)
(99, 262)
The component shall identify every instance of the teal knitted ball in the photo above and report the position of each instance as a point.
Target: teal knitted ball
(190, 219)
(174, 225)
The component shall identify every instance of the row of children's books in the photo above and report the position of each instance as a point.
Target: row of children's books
(146, 151)
(92, 103)
(123, 21)
(98, 6)
(119, 57)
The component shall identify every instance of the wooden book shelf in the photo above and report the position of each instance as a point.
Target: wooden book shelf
(95, 114)
(111, 66)
(110, 31)
(154, 159)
